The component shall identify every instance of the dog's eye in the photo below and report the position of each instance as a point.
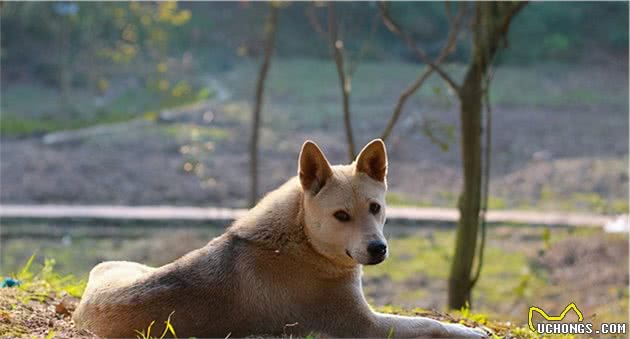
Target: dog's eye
(375, 208)
(342, 216)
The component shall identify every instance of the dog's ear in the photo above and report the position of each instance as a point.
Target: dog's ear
(313, 168)
(372, 160)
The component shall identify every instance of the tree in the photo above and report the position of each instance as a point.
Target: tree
(80, 36)
(490, 27)
(447, 49)
(336, 45)
(270, 32)
(490, 24)
(345, 70)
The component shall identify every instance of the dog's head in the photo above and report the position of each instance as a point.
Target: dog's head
(344, 205)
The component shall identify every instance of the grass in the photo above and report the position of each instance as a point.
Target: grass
(499, 329)
(581, 201)
(508, 285)
(38, 306)
(377, 85)
(591, 202)
(445, 199)
(168, 329)
(21, 115)
(510, 279)
(401, 199)
(47, 280)
(39, 290)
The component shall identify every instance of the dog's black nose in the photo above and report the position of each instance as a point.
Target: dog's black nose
(376, 248)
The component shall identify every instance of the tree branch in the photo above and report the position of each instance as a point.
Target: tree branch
(395, 28)
(364, 46)
(309, 11)
(337, 50)
(447, 49)
(498, 34)
(270, 33)
(507, 19)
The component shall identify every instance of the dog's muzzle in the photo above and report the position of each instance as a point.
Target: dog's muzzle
(377, 250)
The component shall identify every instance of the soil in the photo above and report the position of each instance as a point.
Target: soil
(45, 318)
(50, 318)
(593, 270)
(147, 165)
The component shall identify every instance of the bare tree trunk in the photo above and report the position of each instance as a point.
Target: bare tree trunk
(344, 81)
(270, 32)
(490, 28)
(469, 200)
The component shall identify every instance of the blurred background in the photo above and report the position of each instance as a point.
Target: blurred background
(136, 103)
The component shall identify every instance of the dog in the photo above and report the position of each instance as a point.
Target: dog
(290, 266)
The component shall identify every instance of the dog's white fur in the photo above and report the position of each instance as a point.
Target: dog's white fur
(289, 266)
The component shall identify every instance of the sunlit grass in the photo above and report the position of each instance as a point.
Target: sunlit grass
(380, 83)
(21, 115)
(40, 284)
(168, 330)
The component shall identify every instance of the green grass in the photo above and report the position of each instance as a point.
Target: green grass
(168, 329)
(508, 277)
(47, 280)
(445, 199)
(22, 115)
(401, 199)
(305, 92)
(499, 328)
(580, 202)
(47, 285)
(194, 133)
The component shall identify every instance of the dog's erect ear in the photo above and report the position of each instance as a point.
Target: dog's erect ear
(313, 168)
(372, 160)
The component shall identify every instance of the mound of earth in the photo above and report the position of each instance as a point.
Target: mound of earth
(592, 269)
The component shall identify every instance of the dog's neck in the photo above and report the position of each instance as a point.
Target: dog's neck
(275, 220)
(277, 223)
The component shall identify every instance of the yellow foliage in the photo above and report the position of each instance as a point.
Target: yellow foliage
(181, 88)
(130, 34)
(145, 20)
(102, 85)
(163, 85)
(161, 67)
(167, 12)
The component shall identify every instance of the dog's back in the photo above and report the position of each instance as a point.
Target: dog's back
(124, 297)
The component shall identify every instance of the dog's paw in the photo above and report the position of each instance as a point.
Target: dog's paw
(461, 331)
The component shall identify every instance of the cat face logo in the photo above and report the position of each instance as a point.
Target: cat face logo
(550, 317)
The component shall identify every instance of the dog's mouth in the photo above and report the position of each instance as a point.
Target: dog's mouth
(376, 261)
(373, 261)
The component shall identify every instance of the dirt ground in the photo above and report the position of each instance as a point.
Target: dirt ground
(50, 318)
(45, 318)
(557, 141)
(181, 164)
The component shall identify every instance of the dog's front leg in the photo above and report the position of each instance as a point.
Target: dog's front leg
(388, 325)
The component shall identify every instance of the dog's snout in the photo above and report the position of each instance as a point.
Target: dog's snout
(377, 248)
